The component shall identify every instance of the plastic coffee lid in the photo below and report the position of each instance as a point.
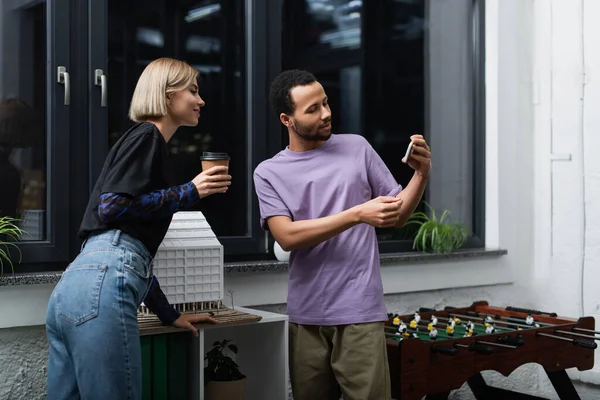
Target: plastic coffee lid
(211, 156)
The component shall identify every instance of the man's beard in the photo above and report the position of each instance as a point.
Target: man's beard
(308, 134)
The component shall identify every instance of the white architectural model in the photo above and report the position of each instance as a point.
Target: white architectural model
(189, 264)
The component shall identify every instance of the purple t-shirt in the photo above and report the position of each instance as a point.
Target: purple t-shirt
(338, 281)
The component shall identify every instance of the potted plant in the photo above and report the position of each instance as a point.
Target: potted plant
(222, 376)
(437, 236)
(9, 233)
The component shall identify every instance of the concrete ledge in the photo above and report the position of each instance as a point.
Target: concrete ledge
(388, 258)
(44, 278)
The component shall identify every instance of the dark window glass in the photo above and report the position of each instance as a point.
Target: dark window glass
(392, 69)
(209, 35)
(23, 92)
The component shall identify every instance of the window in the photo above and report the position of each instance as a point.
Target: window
(212, 37)
(33, 107)
(394, 68)
(22, 120)
(391, 68)
(100, 47)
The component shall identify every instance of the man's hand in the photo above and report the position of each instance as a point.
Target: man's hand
(381, 212)
(420, 159)
(185, 321)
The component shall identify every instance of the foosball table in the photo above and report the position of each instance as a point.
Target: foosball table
(433, 352)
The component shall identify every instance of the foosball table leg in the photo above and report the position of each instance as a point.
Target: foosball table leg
(482, 391)
(563, 385)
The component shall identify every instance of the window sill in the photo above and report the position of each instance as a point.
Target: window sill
(388, 258)
(34, 278)
(274, 265)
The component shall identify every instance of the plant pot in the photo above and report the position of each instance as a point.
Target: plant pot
(231, 390)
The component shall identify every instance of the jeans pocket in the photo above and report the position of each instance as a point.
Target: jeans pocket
(78, 292)
(138, 265)
(138, 275)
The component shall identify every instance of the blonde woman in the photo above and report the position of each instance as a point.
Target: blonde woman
(91, 321)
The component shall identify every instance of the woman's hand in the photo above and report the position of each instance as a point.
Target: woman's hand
(186, 321)
(213, 180)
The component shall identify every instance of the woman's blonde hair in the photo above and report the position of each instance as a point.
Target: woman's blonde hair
(160, 78)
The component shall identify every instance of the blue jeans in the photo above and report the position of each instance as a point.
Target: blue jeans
(92, 324)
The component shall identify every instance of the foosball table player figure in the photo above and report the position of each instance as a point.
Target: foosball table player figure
(414, 324)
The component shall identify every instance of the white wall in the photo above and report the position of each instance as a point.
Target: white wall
(591, 171)
(567, 170)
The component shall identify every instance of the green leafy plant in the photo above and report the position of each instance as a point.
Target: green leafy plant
(437, 236)
(9, 233)
(220, 367)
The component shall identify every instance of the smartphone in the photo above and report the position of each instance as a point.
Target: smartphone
(409, 151)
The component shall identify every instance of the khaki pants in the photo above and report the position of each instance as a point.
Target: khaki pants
(329, 361)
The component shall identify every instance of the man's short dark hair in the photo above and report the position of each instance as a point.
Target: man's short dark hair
(282, 85)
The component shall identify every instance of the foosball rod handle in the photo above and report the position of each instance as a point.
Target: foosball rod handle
(480, 348)
(588, 344)
(449, 351)
(528, 311)
(513, 341)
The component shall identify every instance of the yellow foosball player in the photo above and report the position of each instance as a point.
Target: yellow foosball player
(415, 322)
(469, 328)
(432, 323)
(396, 320)
(450, 327)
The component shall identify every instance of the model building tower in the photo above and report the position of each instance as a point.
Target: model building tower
(189, 264)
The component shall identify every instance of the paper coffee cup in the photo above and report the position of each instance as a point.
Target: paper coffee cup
(212, 159)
